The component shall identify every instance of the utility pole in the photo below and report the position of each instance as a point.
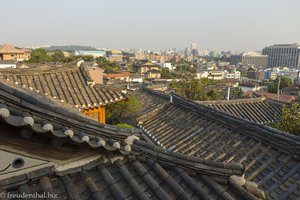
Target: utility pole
(278, 88)
(228, 93)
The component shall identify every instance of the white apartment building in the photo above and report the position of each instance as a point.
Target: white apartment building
(211, 74)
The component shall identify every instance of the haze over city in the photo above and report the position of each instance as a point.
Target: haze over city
(217, 25)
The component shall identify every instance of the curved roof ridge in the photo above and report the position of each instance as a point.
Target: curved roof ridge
(41, 69)
(274, 137)
(245, 100)
(271, 136)
(39, 104)
(172, 158)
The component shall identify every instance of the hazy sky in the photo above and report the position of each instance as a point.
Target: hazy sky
(152, 24)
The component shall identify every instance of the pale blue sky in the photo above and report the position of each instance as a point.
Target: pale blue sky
(152, 24)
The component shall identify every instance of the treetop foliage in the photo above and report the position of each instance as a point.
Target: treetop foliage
(196, 89)
(284, 82)
(115, 112)
(289, 120)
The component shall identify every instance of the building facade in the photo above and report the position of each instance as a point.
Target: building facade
(211, 74)
(94, 53)
(254, 59)
(249, 59)
(142, 69)
(283, 55)
(9, 52)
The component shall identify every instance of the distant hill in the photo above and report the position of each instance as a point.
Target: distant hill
(70, 48)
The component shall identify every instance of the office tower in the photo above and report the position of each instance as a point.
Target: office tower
(287, 55)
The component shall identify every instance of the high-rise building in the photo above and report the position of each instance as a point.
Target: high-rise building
(193, 46)
(287, 55)
(254, 59)
(249, 59)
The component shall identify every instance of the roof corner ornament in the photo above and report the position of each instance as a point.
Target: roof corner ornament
(79, 62)
(91, 83)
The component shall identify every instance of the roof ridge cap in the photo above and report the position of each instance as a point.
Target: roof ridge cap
(174, 158)
(274, 137)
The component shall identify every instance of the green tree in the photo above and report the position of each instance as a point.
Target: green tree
(236, 92)
(284, 82)
(289, 120)
(39, 56)
(109, 67)
(165, 73)
(58, 56)
(115, 112)
(196, 89)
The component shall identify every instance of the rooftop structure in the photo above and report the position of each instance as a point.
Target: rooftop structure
(9, 52)
(69, 83)
(94, 53)
(270, 157)
(283, 55)
(259, 110)
(47, 148)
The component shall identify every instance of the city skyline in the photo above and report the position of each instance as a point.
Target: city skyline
(212, 25)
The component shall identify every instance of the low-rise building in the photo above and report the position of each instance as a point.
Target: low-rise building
(257, 75)
(123, 76)
(153, 73)
(7, 64)
(167, 65)
(136, 78)
(211, 74)
(9, 52)
(143, 68)
(96, 74)
(115, 56)
(232, 74)
(281, 98)
(94, 53)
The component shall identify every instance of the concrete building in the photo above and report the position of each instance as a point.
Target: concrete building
(254, 59)
(257, 75)
(115, 56)
(232, 74)
(167, 65)
(271, 75)
(211, 74)
(249, 59)
(94, 53)
(283, 55)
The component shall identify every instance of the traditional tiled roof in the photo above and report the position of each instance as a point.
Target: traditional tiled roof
(139, 170)
(127, 177)
(259, 110)
(67, 83)
(153, 71)
(7, 48)
(271, 157)
(150, 64)
(282, 97)
(22, 108)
